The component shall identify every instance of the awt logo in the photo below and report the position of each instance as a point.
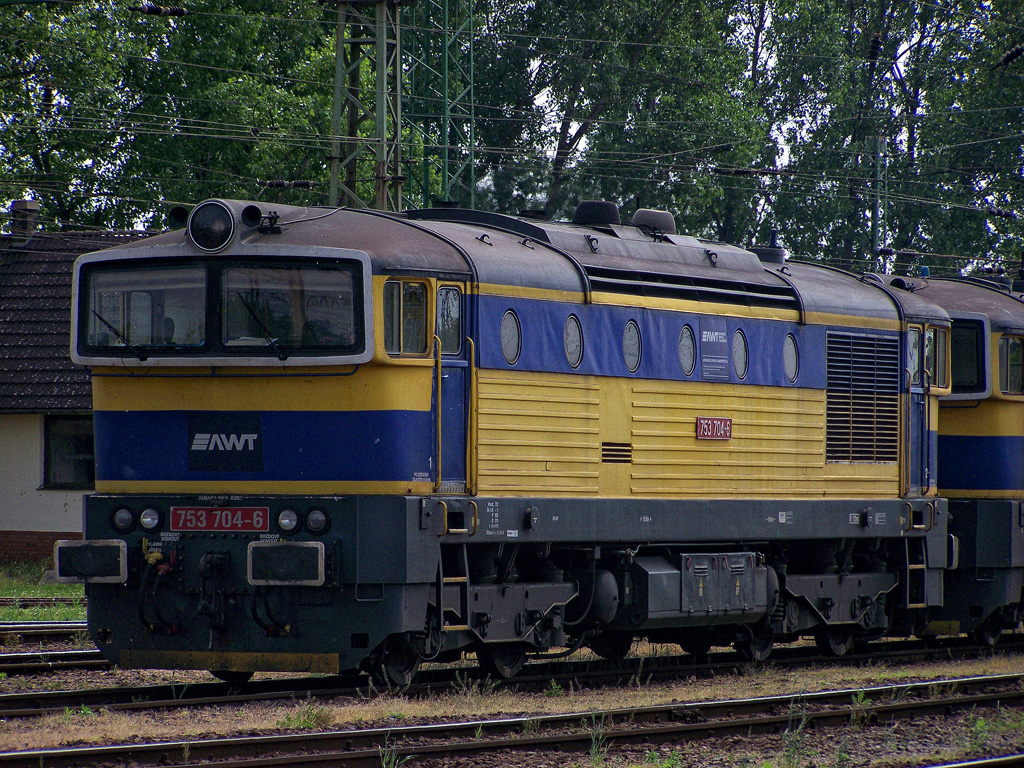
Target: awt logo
(225, 441)
(218, 442)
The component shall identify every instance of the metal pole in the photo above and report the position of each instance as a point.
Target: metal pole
(339, 73)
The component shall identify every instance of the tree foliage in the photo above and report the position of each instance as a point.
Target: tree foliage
(866, 133)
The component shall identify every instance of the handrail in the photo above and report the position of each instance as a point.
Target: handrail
(437, 375)
(471, 421)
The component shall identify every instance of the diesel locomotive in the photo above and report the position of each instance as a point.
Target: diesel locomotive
(330, 439)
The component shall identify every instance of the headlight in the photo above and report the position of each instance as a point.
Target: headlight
(316, 521)
(123, 519)
(149, 518)
(288, 520)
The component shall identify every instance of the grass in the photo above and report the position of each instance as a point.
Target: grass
(20, 579)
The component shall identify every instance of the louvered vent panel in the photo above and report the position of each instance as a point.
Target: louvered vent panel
(863, 389)
(616, 453)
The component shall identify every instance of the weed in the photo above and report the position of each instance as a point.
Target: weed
(860, 708)
(598, 742)
(793, 743)
(842, 752)
(81, 640)
(185, 751)
(309, 717)
(468, 687)
(674, 760)
(388, 754)
(976, 734)
(554, 689)
(635, 680)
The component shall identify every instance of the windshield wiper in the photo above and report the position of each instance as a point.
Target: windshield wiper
(271, 341)
(121, 337)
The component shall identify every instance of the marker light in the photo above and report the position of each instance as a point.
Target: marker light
(316, 521)
(149, 518)
(123, 519)
(288, 520)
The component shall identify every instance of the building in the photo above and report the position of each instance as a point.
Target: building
(46, 439)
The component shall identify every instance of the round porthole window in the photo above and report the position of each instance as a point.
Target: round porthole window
(631, 346)
(687, 350)
(739, 354)
(572, 337)
(790, 358)
(511, 337)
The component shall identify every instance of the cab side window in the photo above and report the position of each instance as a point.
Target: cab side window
(967, 357)
(449, 319)
(1011, 365)
(405, 317)
(935, 356)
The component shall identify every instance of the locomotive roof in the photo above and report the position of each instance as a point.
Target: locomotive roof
(916, 306)
(972, 296)
(830, 291)
(558, 256)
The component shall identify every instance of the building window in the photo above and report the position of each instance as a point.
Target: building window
(69, 456)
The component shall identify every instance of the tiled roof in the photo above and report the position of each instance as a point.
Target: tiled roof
(36, 372)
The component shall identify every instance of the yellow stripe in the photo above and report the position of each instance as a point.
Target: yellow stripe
(872, 323)
(218, 660)
(976, 494)
(373, 387)
(990, 418)
(696, 307)
(525, 292)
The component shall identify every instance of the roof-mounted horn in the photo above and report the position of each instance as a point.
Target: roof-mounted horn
(596, 213)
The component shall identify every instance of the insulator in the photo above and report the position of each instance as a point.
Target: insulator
(876, 46)
(1010, 56)
(282, 184)
(149, 9)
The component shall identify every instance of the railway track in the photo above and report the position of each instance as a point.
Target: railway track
(20, 632)
(575, 732)
(538, 677)
(51, 661)
(40, 602)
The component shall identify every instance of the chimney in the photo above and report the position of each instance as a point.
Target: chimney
(24, 215)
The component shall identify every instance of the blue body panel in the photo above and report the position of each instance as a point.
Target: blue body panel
(288, 445)
(543, 322)
(981, 463)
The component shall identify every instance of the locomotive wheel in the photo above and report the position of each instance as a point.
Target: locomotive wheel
(757, 648)
(502, 660)
(396, 664)
(612, 645)
(834, 641)
(235, 677)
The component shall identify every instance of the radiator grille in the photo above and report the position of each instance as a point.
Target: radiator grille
(863, 389)
(616, 453)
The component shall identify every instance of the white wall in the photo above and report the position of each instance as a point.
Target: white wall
(23, 507)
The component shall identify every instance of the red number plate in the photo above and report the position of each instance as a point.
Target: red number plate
(713, 428)
(220, 519)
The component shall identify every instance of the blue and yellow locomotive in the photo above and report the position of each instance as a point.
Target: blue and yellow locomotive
(330, 439)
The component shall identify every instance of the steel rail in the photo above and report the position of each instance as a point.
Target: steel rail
(570, 732)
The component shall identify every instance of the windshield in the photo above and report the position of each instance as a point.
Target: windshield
(280, 309)
(289, 307)
(145, 307)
